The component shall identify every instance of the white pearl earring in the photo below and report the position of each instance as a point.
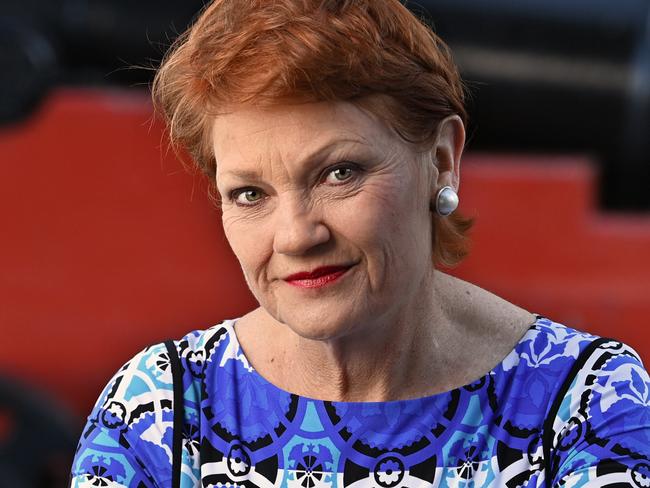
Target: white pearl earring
(446, 201)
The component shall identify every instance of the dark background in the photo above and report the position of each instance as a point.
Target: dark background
(546, 77)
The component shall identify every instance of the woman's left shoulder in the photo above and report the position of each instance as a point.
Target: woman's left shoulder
(547, 341)
(599, 423)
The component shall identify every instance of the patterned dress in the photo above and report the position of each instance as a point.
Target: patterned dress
(515, 426)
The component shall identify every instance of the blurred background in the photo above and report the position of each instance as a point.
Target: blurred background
(108, 244)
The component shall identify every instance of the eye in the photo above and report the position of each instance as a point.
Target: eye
(339, 175)
(247, 196)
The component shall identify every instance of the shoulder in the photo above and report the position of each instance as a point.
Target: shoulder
(594, 395)
(548, 349)
(581, 363)
(128, 435)
(598, 426)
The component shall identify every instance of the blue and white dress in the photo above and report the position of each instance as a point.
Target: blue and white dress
(562, 409)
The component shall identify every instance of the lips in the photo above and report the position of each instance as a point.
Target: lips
(318, 277)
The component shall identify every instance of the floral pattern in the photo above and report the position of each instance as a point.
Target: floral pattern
(114, 416)
(311, 465)
(239, 462)
(241, 430)
(102, 471)
(389, 472)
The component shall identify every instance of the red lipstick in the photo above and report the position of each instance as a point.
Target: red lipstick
(318, 277)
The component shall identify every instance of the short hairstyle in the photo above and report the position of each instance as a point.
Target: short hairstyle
(374, 53)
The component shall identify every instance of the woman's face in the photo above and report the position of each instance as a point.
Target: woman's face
(324, 187)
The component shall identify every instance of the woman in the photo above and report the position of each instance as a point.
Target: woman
(333, 130)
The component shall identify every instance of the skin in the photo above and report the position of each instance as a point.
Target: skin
(316, 184)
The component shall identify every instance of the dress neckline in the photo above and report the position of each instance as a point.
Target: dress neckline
(247, 368)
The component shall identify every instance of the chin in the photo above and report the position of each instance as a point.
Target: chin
(319, 324)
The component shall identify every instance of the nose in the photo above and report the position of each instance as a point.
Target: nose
(298, 228)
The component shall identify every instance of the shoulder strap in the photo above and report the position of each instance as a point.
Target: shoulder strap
(179, 413)
(548, 435)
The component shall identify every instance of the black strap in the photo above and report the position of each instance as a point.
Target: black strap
(548, 435)
(179, 413)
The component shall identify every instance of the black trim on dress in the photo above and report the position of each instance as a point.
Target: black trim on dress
(548, 435)
(179, 413)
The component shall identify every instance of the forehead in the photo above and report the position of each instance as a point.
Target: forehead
(291, 130)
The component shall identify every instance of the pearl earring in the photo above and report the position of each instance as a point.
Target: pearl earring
(446, 201)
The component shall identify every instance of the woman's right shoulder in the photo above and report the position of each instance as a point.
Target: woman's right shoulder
(127, 439)
(150, 370)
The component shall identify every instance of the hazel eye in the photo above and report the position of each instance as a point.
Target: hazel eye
(339, 175)
(247, 196)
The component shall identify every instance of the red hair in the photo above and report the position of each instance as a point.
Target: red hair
(371, 52)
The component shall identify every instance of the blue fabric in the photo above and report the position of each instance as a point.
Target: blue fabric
(240, 430)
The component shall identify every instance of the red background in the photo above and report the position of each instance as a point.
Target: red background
(108, 245)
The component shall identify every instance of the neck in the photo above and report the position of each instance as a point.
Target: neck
(384, 364)
(394, 357)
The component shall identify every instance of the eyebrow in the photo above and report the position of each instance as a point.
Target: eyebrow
(309, 159)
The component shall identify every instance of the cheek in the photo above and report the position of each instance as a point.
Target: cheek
(390, 210)
(381, 221)
(400, 233)
(251, 244)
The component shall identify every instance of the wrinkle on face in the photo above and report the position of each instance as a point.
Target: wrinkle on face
(379, 221)
(277, 148)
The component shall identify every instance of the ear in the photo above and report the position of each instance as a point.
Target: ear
(447, 152)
